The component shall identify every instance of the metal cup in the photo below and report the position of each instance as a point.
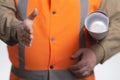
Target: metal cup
(97, 24)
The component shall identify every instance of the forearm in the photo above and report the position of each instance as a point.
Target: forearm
(8, 22)
(110, 45)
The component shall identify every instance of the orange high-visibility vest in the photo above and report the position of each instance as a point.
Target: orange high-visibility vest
(56, 39)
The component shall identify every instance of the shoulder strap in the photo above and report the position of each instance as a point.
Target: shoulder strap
(84, 12)
(22, 8)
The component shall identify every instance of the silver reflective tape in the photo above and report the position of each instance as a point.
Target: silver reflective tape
(22, 8)
(61, 75)
(84, 12)
(21, 54)
(43, 74)
(30, 74)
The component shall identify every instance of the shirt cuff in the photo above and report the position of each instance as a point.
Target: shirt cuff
(99, 51)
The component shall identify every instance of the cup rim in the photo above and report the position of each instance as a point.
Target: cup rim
(98, 11)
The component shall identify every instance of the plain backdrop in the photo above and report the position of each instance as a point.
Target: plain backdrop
(110, 70)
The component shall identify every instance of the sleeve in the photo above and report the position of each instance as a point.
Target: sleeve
(110, 45)
(8, 22)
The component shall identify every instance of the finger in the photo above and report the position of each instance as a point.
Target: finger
(22, 32)
(87, 73)
(33, 14)
(28, 42)
(26, 35)
(81, 71)
(29, 29)
(79, 65)
(31, 37)
(80, 74)
(25, 39)
(77, 54)
(21, 37)
(74, 67)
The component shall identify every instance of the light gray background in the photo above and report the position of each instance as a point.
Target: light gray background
(110, 70)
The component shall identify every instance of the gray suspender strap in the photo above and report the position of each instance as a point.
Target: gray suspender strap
(21, 54)
(22, 8)
(84, 12)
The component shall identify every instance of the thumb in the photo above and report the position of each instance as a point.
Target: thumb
(33, 14)
(77, 54)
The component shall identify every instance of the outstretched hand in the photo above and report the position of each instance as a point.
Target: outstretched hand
(25, 30)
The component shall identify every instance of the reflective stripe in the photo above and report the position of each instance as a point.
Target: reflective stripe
(61, 75)
(43, 74)
(84, 12)
(21, 52)
(22, 8)
(30, 75)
